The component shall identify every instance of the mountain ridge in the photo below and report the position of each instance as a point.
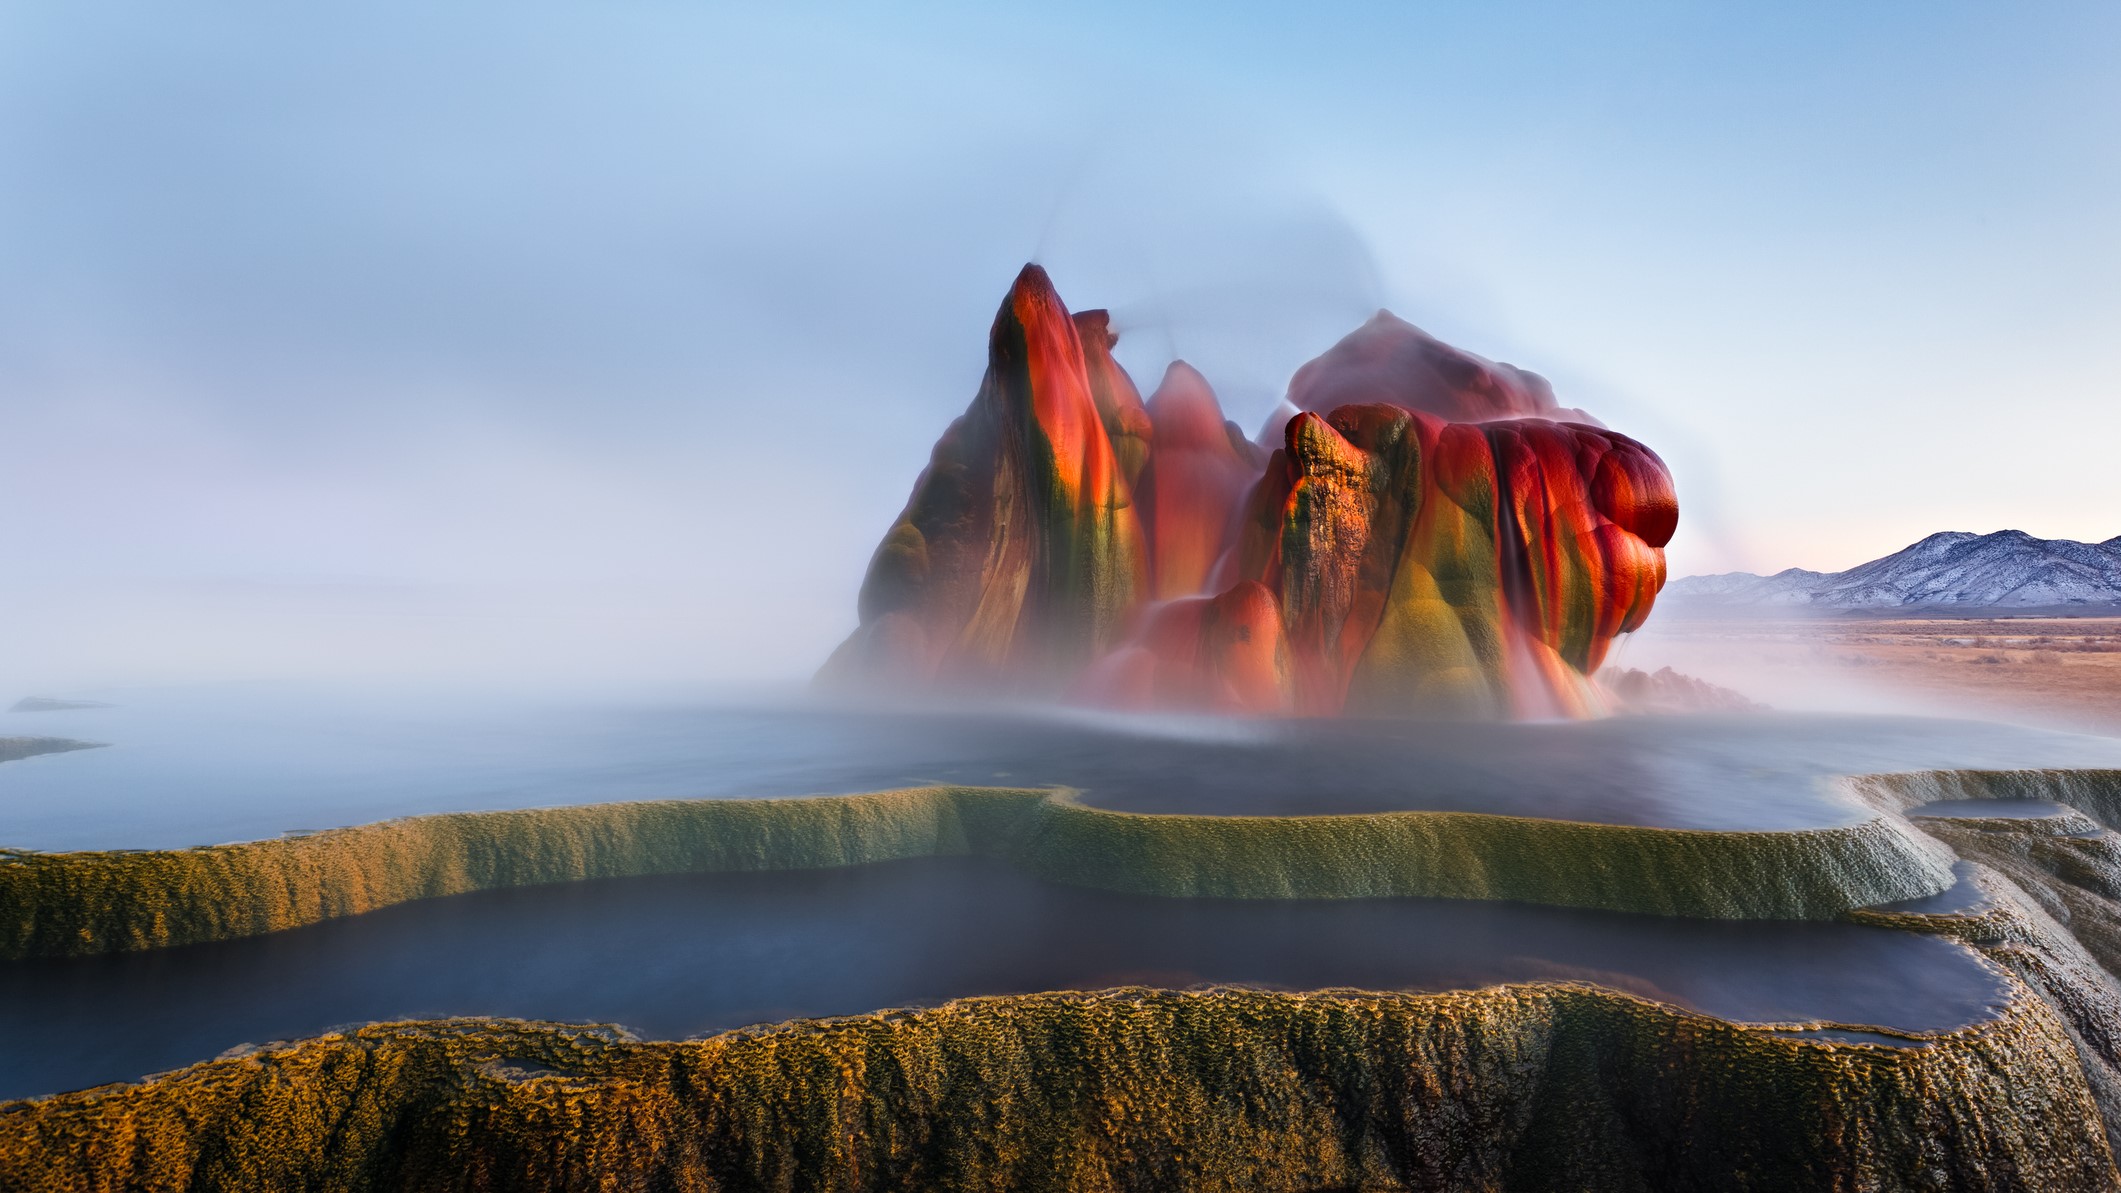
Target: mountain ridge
(1952, 569)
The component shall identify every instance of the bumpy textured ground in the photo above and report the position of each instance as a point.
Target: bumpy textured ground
(1516, 1087)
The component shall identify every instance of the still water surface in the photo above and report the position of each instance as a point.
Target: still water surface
(192, 766)
(677, 956)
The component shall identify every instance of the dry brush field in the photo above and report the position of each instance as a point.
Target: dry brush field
(2064, 669)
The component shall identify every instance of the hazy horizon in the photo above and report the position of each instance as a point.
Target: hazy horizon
(548, 342)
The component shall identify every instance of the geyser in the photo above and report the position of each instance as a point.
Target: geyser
(1432, 535)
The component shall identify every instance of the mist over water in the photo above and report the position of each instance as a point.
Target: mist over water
(206, 764)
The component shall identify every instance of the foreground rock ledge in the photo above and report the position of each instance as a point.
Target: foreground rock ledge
(79, 904)
(1534, 1086)
(1530, 1086)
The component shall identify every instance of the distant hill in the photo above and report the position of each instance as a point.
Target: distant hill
(47, 704)
(1954, 570)
(14, 749)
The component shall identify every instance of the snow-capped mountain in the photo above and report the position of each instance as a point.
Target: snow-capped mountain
(2009, 569)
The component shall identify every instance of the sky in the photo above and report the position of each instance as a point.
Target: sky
(568, 339)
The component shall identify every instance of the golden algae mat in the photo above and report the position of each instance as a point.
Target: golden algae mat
(1536, 1086)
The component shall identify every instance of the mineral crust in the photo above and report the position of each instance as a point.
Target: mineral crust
(1430, 534)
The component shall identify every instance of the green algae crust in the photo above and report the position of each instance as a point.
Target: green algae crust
(1804, 874)
(76, 904)
(1536, 1086)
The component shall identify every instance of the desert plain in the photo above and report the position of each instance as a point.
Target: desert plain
(2060, 670)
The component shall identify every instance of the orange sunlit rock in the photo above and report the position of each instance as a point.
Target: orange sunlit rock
(1119, 404)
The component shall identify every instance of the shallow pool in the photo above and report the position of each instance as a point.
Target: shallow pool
(677, 956)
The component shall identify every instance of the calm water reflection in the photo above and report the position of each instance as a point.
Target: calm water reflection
(679, 956)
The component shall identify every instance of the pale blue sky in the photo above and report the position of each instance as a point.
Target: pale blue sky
(658, 294)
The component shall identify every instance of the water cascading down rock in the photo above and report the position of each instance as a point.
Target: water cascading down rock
(1429, 533)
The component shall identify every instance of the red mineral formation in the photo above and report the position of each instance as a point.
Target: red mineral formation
(1119, 404)
(1219, 654)
(1019, 555)
(1433, 536)
(1196, 479)
(1392, 361)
